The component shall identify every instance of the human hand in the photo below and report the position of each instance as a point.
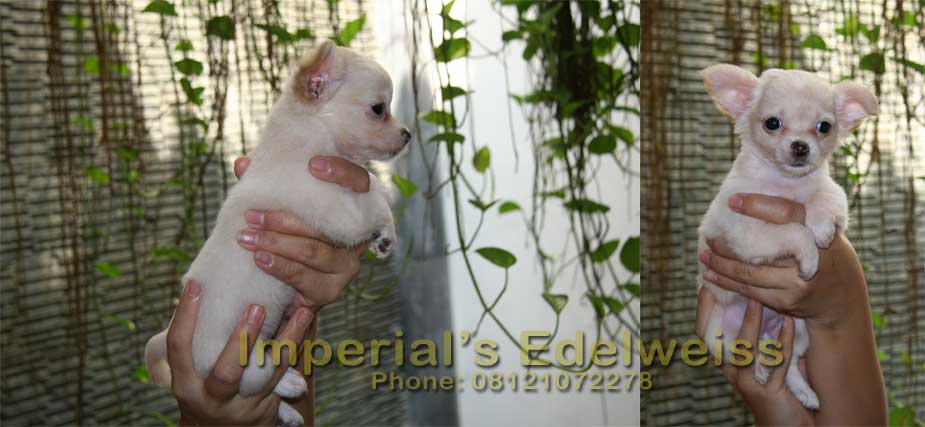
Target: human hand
(215, 400)
(772, 404)
(284, 248)
(837, 292)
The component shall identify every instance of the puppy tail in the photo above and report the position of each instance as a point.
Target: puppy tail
(156, 359)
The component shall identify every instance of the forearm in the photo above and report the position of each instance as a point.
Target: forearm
(843, 366)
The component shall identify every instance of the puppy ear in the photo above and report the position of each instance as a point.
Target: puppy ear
(853, 102)
(318, 74)
(730, 87)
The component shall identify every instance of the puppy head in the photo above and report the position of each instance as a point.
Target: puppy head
(793, 118)
(351, 94)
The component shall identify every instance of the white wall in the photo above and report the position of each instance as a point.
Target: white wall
(522, 307)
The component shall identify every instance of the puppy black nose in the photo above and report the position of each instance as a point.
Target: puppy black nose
(406, 135)
(799, 149)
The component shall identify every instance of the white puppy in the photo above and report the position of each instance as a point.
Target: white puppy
(336, 104)
(789, 122)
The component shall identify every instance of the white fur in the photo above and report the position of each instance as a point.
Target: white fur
(766, 165)
(325, 111)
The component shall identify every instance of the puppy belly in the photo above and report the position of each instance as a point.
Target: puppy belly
(771, 321)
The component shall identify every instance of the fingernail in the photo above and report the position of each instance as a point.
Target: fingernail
(264, 259)
(303, 318)
(753, 304)
(736, 202)
(320, 166)
(254, 217)
(705, 257)
(710, 275)
(248, 237)
(254, 314)
(193, 289)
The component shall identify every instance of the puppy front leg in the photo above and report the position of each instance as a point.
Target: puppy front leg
(383, 239)
(826, 213)
(758, 242)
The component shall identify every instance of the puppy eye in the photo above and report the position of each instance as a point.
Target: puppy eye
(823, 127)
(772, 124)
(378, 109)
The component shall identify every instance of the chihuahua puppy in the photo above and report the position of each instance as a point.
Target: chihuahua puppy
(337, 104)
(789, 123)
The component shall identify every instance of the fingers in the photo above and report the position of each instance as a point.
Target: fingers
(341, 172)
(310, 252)
(760, 276)
(751, 326)
(180, 333)
(281, 222)
(705, 303)
(786, 340)
(777, 210)
(240, 165)
(295, 330)
(318, 289)
(223, 381)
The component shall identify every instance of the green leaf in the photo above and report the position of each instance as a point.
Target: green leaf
(84, 122)
(877, 320)
(92, 66)
(813, 41)
(625, 134)
(881, 355)
(907, 358)
(873, 62)
(449, 92)
(78, 22)
(615, 305)
(604, 251)
(121, 69)
(480, 205)
(920, 68)
(160, 7)
(97, 175)
(629, 255)
(598, 304)
(632, 288)
(511, 35)
(448, 137)
(586, 206)
(405, 186)
(871, 33)
(350, 31)
(108, 269)
(556, 301)
(221, 27)
(184, 46)
(508, 207)
(603, 45)
(141, 374)
(497, 256)
(482, 159)
(193, 94)
(902, 416)
(908, 18)
(452, 24)
(851, 26)
(440, 118)
(125, 323)
(189, 66)
(603, 144)
(628, 34)
(452, 49)
(171, 253)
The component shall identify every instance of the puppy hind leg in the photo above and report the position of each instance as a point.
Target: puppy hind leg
(288, 416)
(156, 359)
(291, 385)
(799, 387)
(255, 376)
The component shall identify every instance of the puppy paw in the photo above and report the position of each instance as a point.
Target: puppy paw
(822, 227)
(288, 416)
(808, 264)
(291, 385)
(807, 397)
(383, 242)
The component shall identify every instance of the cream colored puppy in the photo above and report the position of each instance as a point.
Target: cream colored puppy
(336, 104)
(789, 122)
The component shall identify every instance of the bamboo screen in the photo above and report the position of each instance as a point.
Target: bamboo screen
(688, 146)
(119, 126)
